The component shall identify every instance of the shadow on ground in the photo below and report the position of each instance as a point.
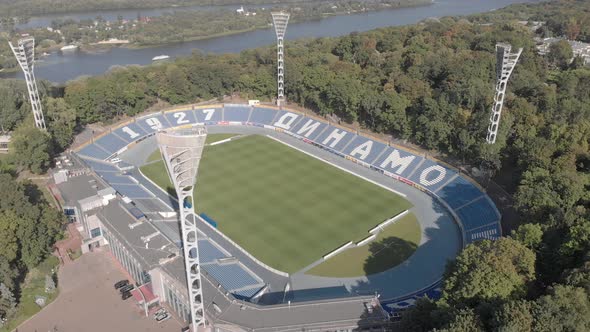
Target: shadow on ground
(390, 251)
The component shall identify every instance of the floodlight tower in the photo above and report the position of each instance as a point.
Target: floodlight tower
(181, 150)
(505, 62)
(280, 21)
(25, 55)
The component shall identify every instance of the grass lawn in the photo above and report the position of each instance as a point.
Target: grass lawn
(212, 138)
(34, 285)
(283, 206)
(391, 247)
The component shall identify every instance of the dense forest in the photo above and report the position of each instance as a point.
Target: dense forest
(29, 226)
(430, 84)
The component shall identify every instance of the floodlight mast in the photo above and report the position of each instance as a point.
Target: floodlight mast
(506, 61)
(24, 52)
(280, 21)
(181, 150)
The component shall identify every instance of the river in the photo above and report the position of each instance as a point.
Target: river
(58, 67)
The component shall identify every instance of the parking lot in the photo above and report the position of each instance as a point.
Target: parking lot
(88, 302)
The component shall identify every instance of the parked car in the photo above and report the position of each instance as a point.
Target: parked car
(125, 295)
(126, 288)
(121, 283)
(159, 312)
(163, 317)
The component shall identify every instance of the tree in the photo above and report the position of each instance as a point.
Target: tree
(7, 302)
(488, 271)
(513, 316)
(9, 247)
(425, 315)
(13, 109)
(545, 195)
(578, 237)
(32, 149)
(565, 308)
(530, 235)
(7, 273)
(465, 320)
(38, 224)
(560, 54)
(579, 277)
(61, 121)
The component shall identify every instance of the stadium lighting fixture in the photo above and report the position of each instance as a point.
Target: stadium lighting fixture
(24, 52)
(280, 21)
(181, 150)
(506, 61)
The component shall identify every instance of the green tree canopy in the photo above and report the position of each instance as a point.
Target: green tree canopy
(488, 271)
(560, 54)
(530, 235)
(566, 308)
(32, 149)
(513, 316)
(61, 121)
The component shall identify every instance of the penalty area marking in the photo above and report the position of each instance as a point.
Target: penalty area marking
(220, 142)
(339, 167)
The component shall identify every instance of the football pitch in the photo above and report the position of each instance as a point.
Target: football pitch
(284, 207)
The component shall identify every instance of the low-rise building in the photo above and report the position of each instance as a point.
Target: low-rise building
(4, 142)
(579, 48)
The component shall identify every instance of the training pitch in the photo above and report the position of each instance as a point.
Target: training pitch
(284, 207)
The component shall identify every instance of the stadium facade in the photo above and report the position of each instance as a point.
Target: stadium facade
(115, 206)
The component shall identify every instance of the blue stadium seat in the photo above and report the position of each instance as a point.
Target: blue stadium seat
(130, 132)
(490, 232)
(477, 214)
(208, 252)
(94, 151)
(459, 192)
(208, 115)
(100, 166)
(309, 128)
(151, 123)
(180, 118)
(230, 276)
(433, 176)
(263, 116)
(235, 113)
(373, 151)
(348, 136)
(397, 169)
(111, 143)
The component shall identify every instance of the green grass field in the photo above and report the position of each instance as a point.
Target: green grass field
(283, 206)
(391, 247)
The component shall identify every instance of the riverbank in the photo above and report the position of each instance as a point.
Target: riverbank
(147, 34)
(60, 68)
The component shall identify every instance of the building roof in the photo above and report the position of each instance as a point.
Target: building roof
(79, 187)
(107, 191)
(145, 241)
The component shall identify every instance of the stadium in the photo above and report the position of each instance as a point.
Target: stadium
(303, 224)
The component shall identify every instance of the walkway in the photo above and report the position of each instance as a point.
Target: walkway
(88, 302)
